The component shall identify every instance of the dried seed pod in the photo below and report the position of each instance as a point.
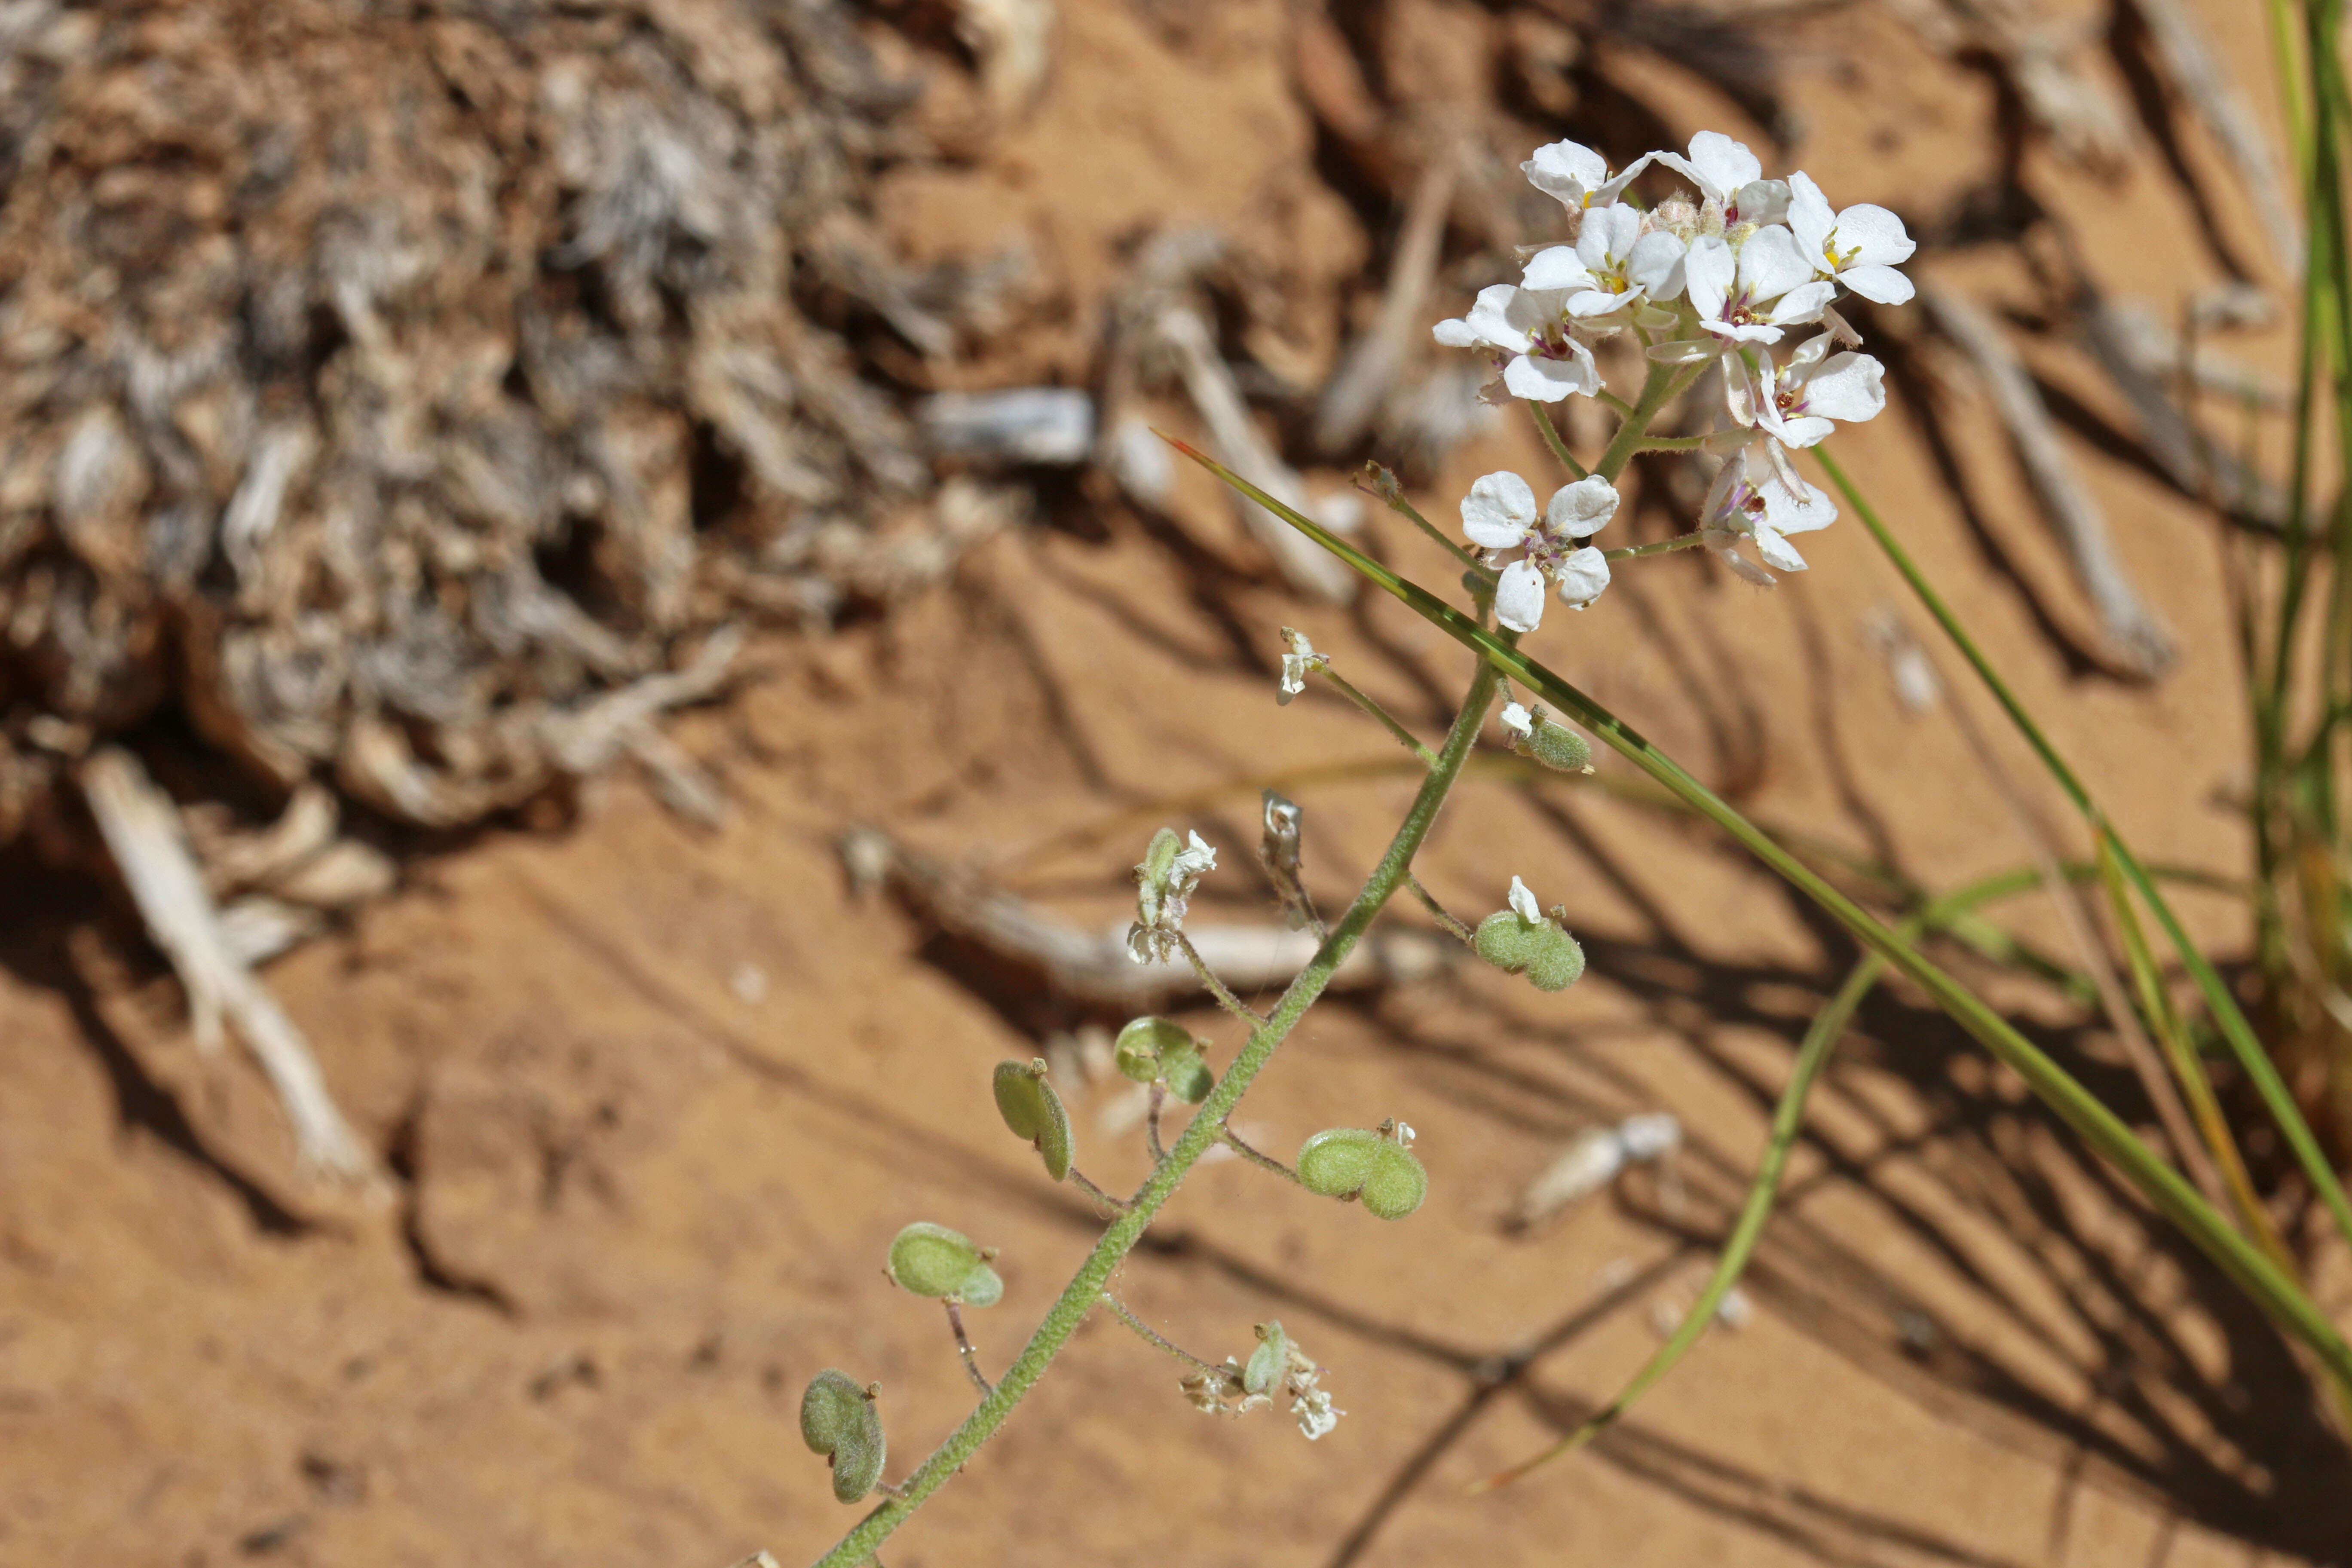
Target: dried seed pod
(932, 1260)
(1269, 1362)
(838, 1419)
(1032, 1110)
(1335, 1161)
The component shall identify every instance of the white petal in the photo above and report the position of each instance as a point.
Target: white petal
(1805, 430)
(1550, 380)
(1776, 552)
(1606, 196)
(1805, 511)
(1523, 904)
(1804, 303)
(1656, 265)
(1683, 351)
(1491, 319)
(1582, 510)
(1722, 163)
(1724, 547)
(1761, 201)
(1519, 597)
(1708, 271)
(1769, 264)
(1739, 399)
(1848, 386)
(1592, 302)
(1565, 171)
(1582, 576)
(1517, 723)
(1874, 235)
(1884, 284)
(1608, 236)
(1557, 266)
(1810, 352)
(1455, 334)
(1811, 218)
(1499, 511)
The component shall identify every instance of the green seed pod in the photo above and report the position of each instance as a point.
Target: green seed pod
(1160, 857)
(829, 1407)
(1189, 1077)
(1557, 746)
(838, 1420)
(1144, 1042)
(858, 1459)
(932, 1260)
(1337, 1162)
(1269, 1362)
(1032, 1110)
(1397, 1184)
(984, 1287)
(1558, 962)
(1509, 942)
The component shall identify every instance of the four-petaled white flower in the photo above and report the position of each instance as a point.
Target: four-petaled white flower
(1859, 246)
(1753, 297)
(1798, 401)
(1753, 503)
(1729, 176)
(1612, 267)
(1499, 516)
(1299, 660)
(1578, 177)
(1530, 326)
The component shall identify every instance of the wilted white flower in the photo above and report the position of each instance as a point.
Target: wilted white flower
(1749, 296)
(1523, 904)
(1577, 176)
(1164, 883)
(1859, 246)
(1315, 1412)
(1299, 660)
(1518, 725)
(1614, 265)
(1499, 515)
(1531, 327)
(1730, 178)
(1751, 504)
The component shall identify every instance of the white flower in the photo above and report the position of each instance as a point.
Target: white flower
(1499, 515)
(1523, 904)
(1299, 660)
(1799, 399)
(1531, 327)
(1164, 884)
(1612, 267)
(1860, 247)
(1519, 726)
(1729, 175)
(1578, 177)
(1752, 503)
(1750, 296)
(1315, 1412)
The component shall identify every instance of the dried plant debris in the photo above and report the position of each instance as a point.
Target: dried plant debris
(2034, 55)
(386, 387)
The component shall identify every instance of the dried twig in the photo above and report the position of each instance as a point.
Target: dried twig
(2186, 58)
(142, 829)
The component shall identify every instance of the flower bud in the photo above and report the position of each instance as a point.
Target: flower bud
(838, 1420)
(932, 1260)
(1032, 1110)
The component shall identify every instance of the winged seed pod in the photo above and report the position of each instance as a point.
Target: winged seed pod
(1522, 940)
(1378, 1169)
(1032, 1110)
(1161, 1051)
(838, 1419)
(932, 1260)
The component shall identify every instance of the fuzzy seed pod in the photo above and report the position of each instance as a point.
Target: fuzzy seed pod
(1560, 962)
(932, 1260)
(1506, 941)
(1397, 1184)
(838, 1419)
(1335, 1163)
(1189, 1077)
(984, 1287)
(1144, 1042)
(1032, 1110)
(1375, 1168)
(1269, 1362)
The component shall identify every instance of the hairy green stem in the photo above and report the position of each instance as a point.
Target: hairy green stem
(1388, 721)
(1552, 438)
(1263, 1162)
(1660, 547)
(1665, 382)
(1087, 1286)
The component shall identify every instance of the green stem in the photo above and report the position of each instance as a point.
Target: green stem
(1663, 547)
(1405, 737)
(1153, 1336)
(1390, 493)
(1673, 443)
(1215, 986)
(1665, 384)
(1263, 1162)
(1087, 1286)
(1541, 412)
(2251, 1058)
(2163, 1186)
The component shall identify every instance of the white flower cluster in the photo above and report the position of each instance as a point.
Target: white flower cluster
(1721, 274)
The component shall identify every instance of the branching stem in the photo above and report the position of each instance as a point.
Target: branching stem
(1151, 1122)
(1387, 721)
(1153, 1336)
(1266, 1161)
(1079, 1180)
(1216, 987)
(1429, 901)
(1552, 438)
(964, 1347)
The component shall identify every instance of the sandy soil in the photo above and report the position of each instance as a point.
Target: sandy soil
(658, 1097)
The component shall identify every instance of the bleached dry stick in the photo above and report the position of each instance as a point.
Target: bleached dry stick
(142, 829)
(2137, 636)
(1367, 371)
(2187, 61)
(2082, 119)
(1094, 966)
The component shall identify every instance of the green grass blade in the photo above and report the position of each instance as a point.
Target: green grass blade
(2074, 1104)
